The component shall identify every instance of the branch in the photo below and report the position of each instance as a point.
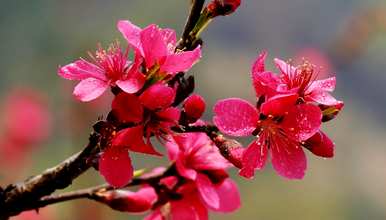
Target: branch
(194, 15)
(18, 197)
(230, 149)
(93, 192)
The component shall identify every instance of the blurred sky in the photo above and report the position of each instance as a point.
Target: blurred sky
(38, 36)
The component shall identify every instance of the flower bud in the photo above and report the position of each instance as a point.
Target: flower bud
(127, 201)
(330, 112)
(194, 107)
(222, 7)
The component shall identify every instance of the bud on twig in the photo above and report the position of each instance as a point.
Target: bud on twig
(222, 7)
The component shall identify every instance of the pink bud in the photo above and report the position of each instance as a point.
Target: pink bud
(222, 7)
(127, 201)
(194, 106)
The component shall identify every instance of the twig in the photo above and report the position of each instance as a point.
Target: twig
(18, 197)
(194, 15)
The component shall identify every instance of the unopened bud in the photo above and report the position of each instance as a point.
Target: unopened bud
(222, 7)
(127, 201)
(330, 112)
(194, 107)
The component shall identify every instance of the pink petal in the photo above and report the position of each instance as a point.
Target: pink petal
(133, 84)
(115, 166)
(302, 121)
(127, 201)
(127, 108)
(259, 65)
(207, 192)
(181, 61)
(181, 209)
(157, 96)
(278, 105)
(185, 171)
(80, 70)
(89, 89)
(265, 83)
(155, 215)
(131, 33)
(284, 67)
(327, 85)
(322, 97)
(169, 36)
(153, 45)
(132, 139)
(229, 196)
(254, 157)
(320, 144)
(169, 116)
(288, 158)
(235, 117)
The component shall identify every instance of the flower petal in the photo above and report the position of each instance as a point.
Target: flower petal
(153, 45)
(327, 85)
(185, 171)
(302, 121)
(322, 97)
(320, 144)
(127, 108)
(288, 158)
(131, 33)
(89, 89)
(265, 83)
(229, 196)
(132, 84)
(157, 96)
(170, 38)
(207, 191)
(259, 65)
(181, 61)
(254, 157)
(285, 68)
(132, 139)
(80, 70)
(235, 117)
(278, 105)
(115, 166)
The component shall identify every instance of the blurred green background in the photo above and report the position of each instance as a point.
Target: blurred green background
(38, 36)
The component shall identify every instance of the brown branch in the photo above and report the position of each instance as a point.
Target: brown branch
(92, 192)
(20, 196)
(194, 15)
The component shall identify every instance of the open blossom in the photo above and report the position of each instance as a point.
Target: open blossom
(281, 127)
(108, 68)
(158, 48)
(208, 185)
(285, 120)
(151, 111)
(300, 79)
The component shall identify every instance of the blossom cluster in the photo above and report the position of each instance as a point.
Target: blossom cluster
(153, 102)
(287, 117)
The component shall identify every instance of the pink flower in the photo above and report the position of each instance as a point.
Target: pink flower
(108, 68)
(198, 160)
(300, 79)
(189, 205)
(151, 111)
(281, 127)
(158, 47)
